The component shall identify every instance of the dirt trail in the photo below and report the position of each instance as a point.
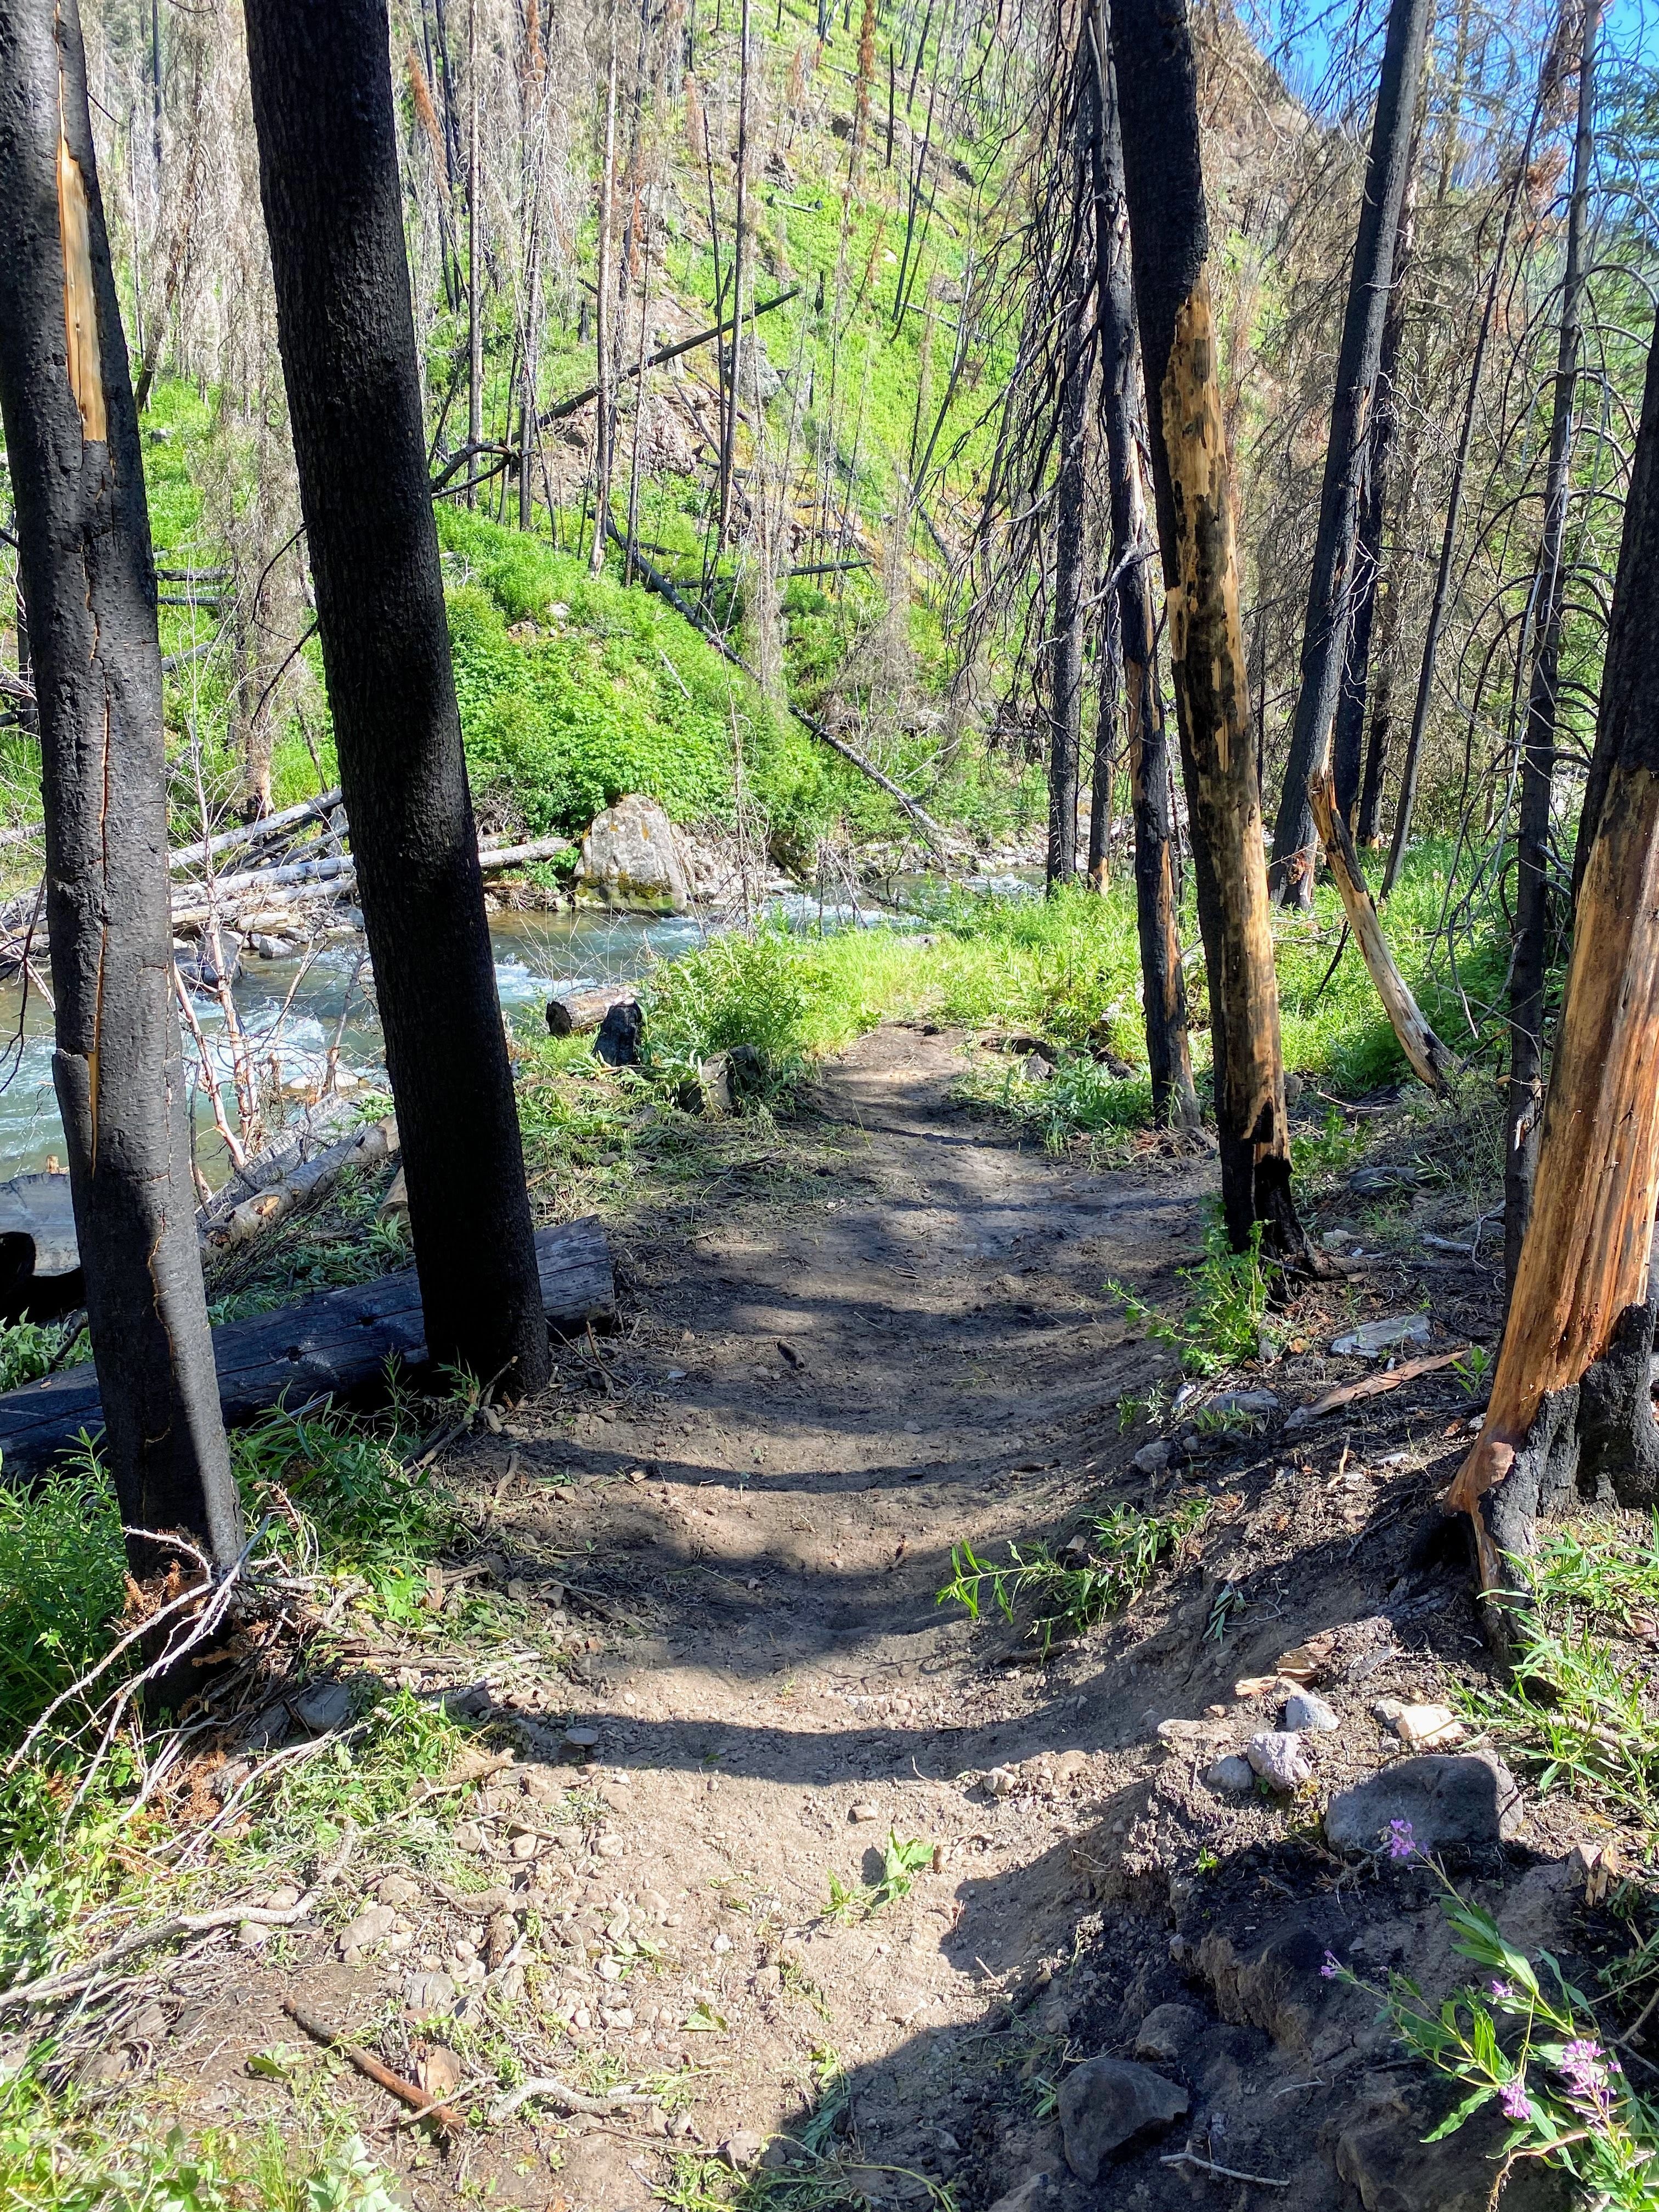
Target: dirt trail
(740, 1518)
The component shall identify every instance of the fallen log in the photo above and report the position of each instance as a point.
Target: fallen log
(334, 877)
(301, 1180)
(255, 833)
(337, 1345)
(1371, 1386)
(578, 1012)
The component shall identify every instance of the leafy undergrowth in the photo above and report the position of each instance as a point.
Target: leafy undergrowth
(1113, 1557)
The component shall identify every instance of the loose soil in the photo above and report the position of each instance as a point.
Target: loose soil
(890, 1338)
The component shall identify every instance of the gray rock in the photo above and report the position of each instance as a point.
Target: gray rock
(429, 1997)
(1036, 1069)
(1306, 1709)
(1166, 2032)
(370, 1926)
(742, 2149)
(1391, 2168)
(631, 859)
(1279, 1758)
(1251, 1404)
(1466, 1802)
(1153, 1458)
(1388, 1334)
(1231, 1777)
(325, 1705)
(1106, 2102)
(1030, 2195)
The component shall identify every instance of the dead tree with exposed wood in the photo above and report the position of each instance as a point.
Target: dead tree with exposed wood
(1331, 585)
(1163, 993)
(1532, 897)
(1572, 1410)
(328, 174)
(87, 573)
(1192, 477)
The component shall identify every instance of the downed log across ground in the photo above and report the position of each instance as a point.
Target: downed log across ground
(336, 1344)
(578, 1012)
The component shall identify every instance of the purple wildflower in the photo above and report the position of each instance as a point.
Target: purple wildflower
(1402, 1843)
(1331, 1968)
(1502, 1990)
(1513, 2097)
(1587, 2066)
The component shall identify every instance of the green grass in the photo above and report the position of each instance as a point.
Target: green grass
(1114, 1559)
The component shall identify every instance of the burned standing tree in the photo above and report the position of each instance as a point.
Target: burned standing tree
(1532, 899)
(1192, 477)
(88, 576)
(1571, 1408)
(1331, 586)
(1071, 517)
(328, 176)
(1163, 993)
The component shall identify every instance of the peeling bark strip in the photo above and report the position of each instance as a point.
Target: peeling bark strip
(1168, 228)
(328, 179)
(88, 578)
(1570, 1399)
(1430, 1060)
(86, 374)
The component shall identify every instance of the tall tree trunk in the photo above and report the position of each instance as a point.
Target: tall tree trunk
(328, 177)
(734, 382)
(1163, 991)
(1571, 1400)
(1066, 677)
(604, 413)
(474, 285)
(87, 573)
(1108, 662)
(1532, 899)
(1441, 599)
(1330, 588)
(1348, 741)
(1192, 477)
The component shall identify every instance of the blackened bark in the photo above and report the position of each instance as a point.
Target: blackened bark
(88, 575)
(1368, 562)
(1192, 475)
(328, 176)
(1524, 1108)
(1163, 991)
(1330, 590)
(1065, 679)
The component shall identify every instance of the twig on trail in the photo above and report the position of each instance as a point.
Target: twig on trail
(566, 2099)
(1225, 2173)
(1373, 1386)
(33, 1994)
(372, 2069)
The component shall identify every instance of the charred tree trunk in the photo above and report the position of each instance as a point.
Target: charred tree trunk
(1164, 992)
(604, 415)
(71, 430)
(1192, 476)
(1532, 899)
(1347, 744)
(474, 281)
(328, 176)
(1330, 589)
(1065, 680)
(1571, 1407)
(1109, 667)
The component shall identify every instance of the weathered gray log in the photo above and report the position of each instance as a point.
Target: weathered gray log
(337, 1344)
(578, 1012)
(303, 1180)
(255, 833)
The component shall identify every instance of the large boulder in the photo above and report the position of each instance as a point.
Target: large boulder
(631, 859)
(1434, 1803)
(1108, 2102)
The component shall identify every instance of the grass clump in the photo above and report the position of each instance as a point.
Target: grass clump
(1112, 1560)
(1222, 1323)
(62, 1583)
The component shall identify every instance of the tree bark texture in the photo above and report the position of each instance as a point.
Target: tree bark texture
(1330, 589)
(1164, 990)
(1524, 1104)
(1347, 742)
(328, 174)
(88, 575)
(1570, 1403)
(1066, 675)
(1192, 477)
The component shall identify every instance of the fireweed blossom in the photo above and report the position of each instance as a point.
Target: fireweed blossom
(1402, 1843)
(1502, 1990)
(1513, 2097)
(1331, 1968)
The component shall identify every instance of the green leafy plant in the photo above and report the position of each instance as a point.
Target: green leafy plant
(1223, 1321)
(1529, 2041)
(1112, 1559)
(30, 1349)
(901, 1863)
(1474, 1369)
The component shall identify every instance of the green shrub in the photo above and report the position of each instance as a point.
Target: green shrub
(62, 1581)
